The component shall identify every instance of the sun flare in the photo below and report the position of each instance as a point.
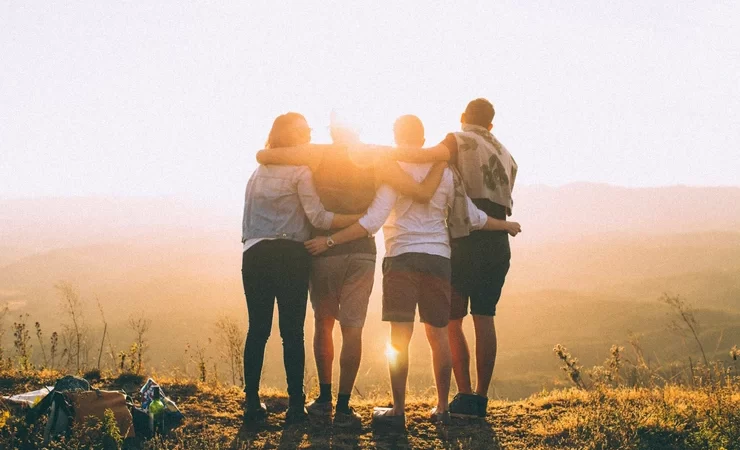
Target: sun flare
(390, 353)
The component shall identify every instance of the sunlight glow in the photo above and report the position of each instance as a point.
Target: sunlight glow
(390, 353)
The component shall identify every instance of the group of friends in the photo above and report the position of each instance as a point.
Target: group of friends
(310, 213)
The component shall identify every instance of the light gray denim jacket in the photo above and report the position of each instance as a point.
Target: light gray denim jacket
(280, 201)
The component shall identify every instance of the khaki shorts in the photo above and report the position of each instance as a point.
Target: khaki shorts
(340, 287)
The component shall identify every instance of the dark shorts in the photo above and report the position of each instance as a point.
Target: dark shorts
(417, 278)
(480, 263)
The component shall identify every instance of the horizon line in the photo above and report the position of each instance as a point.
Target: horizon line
(189, 195)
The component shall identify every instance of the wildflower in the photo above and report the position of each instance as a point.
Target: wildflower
(571, 365)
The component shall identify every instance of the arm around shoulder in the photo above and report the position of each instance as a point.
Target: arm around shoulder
(365, 226)
(439, 152)
(303, 155)
(310, 201)
(392, 174)
(320, 244)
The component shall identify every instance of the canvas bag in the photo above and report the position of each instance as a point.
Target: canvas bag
(70, 407)
(64, 384)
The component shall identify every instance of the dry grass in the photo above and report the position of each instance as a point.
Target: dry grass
(661, 418)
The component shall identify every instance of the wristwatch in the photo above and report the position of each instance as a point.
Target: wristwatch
(330, 242)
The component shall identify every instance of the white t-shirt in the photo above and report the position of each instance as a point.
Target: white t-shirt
(252, 242)
(417, 227)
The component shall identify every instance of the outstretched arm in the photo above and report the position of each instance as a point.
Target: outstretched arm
(389, 172)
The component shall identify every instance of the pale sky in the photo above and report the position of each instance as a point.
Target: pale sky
(173, 98)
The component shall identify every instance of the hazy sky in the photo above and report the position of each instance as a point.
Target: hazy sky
(173, 98)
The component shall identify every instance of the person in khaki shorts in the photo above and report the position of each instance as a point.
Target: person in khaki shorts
(341, 279)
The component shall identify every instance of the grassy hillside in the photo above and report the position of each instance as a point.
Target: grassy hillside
(605, 418)
(560, 293)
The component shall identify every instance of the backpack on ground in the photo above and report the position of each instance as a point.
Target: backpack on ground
(64, 384)
(70, 407)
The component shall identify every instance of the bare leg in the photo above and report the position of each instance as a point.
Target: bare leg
(349, 359)
(323, 348)
(460, 356)
(399, 369)
(485, 352)
(442, 361)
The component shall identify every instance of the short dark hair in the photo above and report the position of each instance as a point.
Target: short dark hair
(479, 112)
(408, 130)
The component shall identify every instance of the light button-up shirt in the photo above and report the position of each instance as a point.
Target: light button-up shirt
(281, 202)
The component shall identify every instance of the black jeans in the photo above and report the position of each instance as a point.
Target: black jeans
(275, 269)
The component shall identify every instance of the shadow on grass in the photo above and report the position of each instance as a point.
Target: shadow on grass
(320, 433)
(314, 434)
(273, 433)
(422, 434)
(472, 434)
(391, 438)
(345, 440)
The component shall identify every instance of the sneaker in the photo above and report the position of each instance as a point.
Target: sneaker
(482, 406)
(442, 418)
(347, 419)
(295, 414)
(320, 409)
(383, 417)
(465, 405)
(255, 413)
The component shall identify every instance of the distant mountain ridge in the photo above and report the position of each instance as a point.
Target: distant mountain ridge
(36, 225)
(546, 213)
(580, 209)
